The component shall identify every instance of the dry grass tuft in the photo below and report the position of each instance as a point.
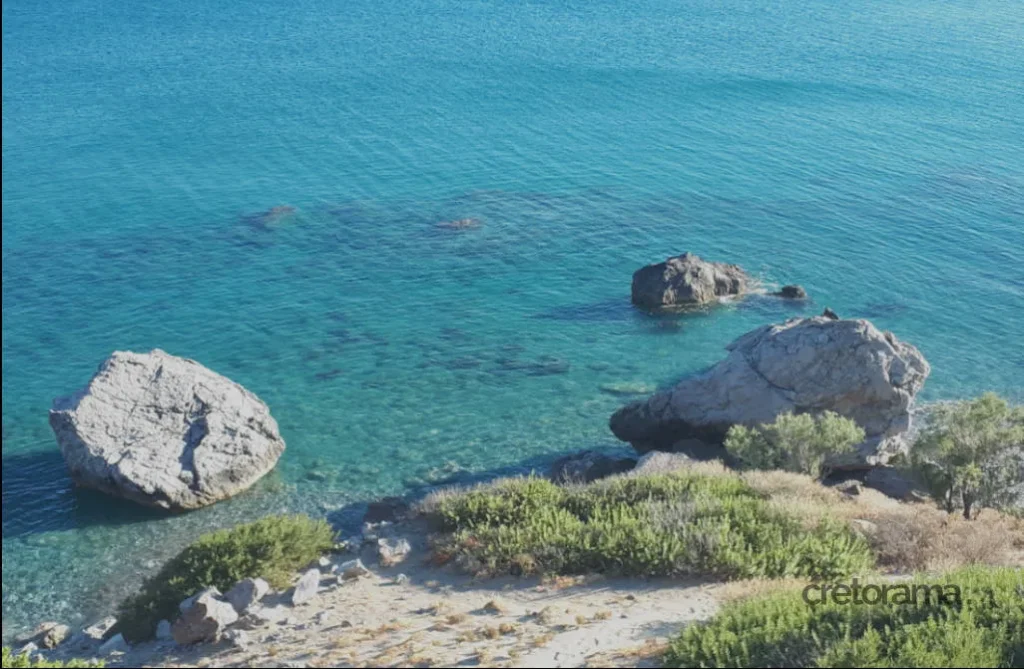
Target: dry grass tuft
(496, 606)
(923, 538)
(903, 536)
(732, 591)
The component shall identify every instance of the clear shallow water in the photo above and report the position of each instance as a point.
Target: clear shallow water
(873, 152)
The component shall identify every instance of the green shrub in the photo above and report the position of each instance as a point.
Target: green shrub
(23, 662)
(799, 443)
(667, 524)
(964, 453)
(272, 548)
(984, 629)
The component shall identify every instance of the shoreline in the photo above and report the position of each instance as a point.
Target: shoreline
(346, 517)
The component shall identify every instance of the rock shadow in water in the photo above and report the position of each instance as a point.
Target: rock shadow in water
(37, 489)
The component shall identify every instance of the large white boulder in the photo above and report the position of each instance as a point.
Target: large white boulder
(165, 431)
(803, 365)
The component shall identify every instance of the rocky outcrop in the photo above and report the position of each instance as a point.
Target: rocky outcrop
(587, 466)
(165, 431)
(803, 365)
(46, 635)
(792, 292)
(686, 280)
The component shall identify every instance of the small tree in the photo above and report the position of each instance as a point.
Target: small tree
(964, 453)
(794, 442)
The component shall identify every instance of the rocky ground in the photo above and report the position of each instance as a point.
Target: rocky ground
(416, 614)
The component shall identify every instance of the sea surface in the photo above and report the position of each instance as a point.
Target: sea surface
(872, 151)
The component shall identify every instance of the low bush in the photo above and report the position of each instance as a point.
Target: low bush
(984, 627)
(272, 548)
(23, 661)
(794, 442)
(678, 523)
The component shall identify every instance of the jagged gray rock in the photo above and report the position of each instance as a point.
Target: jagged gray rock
(803, 365)
(165, 431)
(686, 280)
(115, 644)
(351, 570)
(204, 617)
(392, 550)
(48, 635)
(246, 593)
(163, 630)
(306, 588)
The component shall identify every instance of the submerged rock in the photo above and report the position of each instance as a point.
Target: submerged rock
(804, 365)
(627, 388)
(165, 431)
(268, 218)
(686, 280)
(387, 509)
(460, 224)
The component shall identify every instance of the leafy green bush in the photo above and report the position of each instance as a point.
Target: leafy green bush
(964, 453)
(272, 548)
(985, 628)
(23, 662)
(667, 524)
(794, 442)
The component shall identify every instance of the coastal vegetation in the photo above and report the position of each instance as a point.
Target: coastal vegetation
(272, 548)
(683, 522)
(983, 627)
(965, 453)
(23, 661)
(794, 442)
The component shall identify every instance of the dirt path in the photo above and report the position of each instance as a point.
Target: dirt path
(435, 617)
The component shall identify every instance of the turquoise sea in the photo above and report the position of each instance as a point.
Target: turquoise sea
(871, 150)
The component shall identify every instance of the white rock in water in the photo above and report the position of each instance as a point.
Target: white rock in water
(165, 431)
(803, 365)
(307, 587)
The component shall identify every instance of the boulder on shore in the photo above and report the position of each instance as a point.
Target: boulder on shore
(803, 365)
(204, 617)
(686, 280)
(165, 431)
